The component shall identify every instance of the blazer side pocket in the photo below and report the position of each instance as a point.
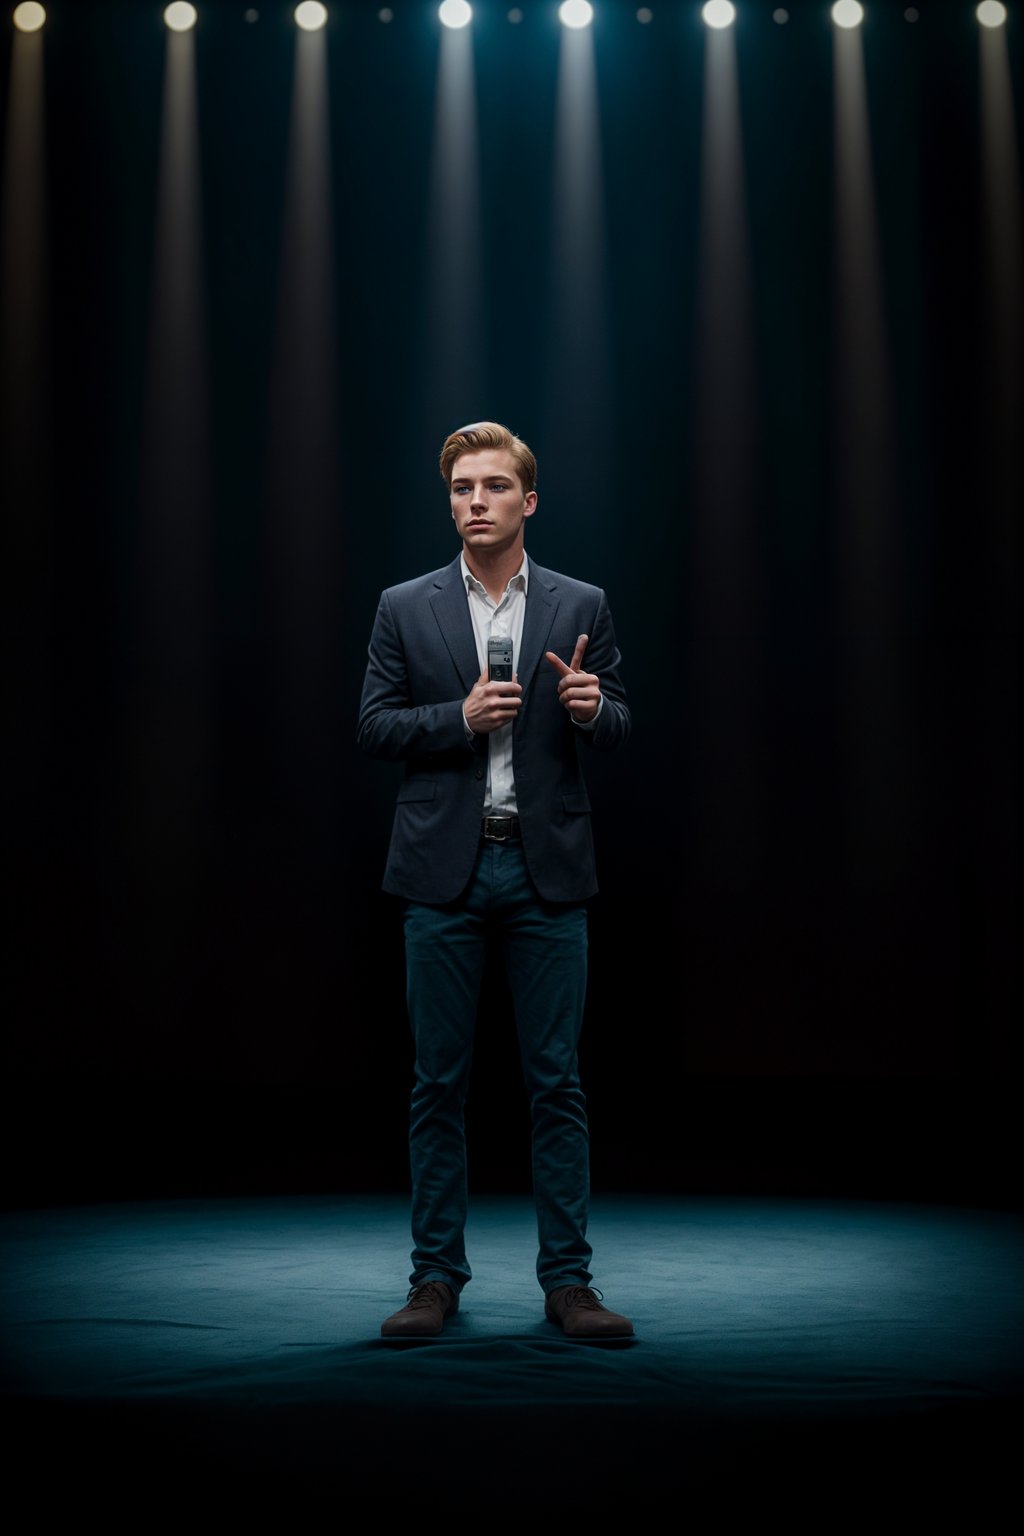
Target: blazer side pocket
(416, 789)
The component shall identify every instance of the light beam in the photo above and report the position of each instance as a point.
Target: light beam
(875, 717)
(723, 598)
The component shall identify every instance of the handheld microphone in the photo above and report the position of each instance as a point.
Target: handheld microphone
(499, 659)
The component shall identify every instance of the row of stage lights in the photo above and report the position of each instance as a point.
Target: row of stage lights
(311, 16)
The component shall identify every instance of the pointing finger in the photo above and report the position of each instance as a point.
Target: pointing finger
(577, 655)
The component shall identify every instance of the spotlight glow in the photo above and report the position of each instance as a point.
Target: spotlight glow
(991, 14)
(310, 16)
(575, 13)
(180, 17)
(847, 13)
(28, 17)
(719, 13)
(455, 13)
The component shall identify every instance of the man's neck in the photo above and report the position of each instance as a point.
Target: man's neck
(495, 570)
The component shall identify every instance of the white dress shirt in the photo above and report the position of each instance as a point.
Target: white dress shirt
(503, 618)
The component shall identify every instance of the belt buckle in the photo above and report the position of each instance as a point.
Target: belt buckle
(497, 837)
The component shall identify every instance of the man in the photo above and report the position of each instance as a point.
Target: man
(492, 842)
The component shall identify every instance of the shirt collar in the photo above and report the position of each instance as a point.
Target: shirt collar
(471, 583)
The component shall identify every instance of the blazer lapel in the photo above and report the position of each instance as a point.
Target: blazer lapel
(451, 610)
(541, 607)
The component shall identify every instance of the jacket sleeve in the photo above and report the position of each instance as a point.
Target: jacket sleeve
(602, 657)
(390, 725)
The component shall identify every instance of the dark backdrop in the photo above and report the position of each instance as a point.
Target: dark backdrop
(796, 984)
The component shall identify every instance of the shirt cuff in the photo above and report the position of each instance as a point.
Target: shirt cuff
(588, 725)
(470, 734)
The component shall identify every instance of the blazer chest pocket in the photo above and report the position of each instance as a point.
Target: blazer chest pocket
(576, 803)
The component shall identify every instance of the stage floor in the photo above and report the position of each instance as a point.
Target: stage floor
(870, 1355)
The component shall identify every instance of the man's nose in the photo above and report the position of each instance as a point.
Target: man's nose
(479, 496)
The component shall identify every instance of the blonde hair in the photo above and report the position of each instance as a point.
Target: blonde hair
(488, 434)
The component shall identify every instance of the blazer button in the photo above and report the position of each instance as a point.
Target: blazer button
(479, 773)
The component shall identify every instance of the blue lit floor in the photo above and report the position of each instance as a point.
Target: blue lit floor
(790, 1351)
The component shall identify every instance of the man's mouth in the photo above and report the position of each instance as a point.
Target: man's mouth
(478, 523)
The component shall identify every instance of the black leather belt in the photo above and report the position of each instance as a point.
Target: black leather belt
(499, 829)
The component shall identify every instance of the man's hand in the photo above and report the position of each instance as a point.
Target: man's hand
(491, 705)
(579, 691)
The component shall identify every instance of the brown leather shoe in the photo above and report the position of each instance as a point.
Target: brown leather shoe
(581, 1314)
(424, 1312)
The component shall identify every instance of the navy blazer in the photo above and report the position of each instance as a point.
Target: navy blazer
(422, 666)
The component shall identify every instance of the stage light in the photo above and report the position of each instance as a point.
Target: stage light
(780, 17)
(455, 13)
(644, 15)
(28, 17)
(515, 15)
(575, 13)
(180, 17)
(990, 13)
(310, 16)
(719, 13)
(847, 13)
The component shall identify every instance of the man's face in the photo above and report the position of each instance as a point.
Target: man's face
(489, 504)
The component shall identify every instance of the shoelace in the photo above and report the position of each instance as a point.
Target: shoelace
(425, 1295)
(587, 1298)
